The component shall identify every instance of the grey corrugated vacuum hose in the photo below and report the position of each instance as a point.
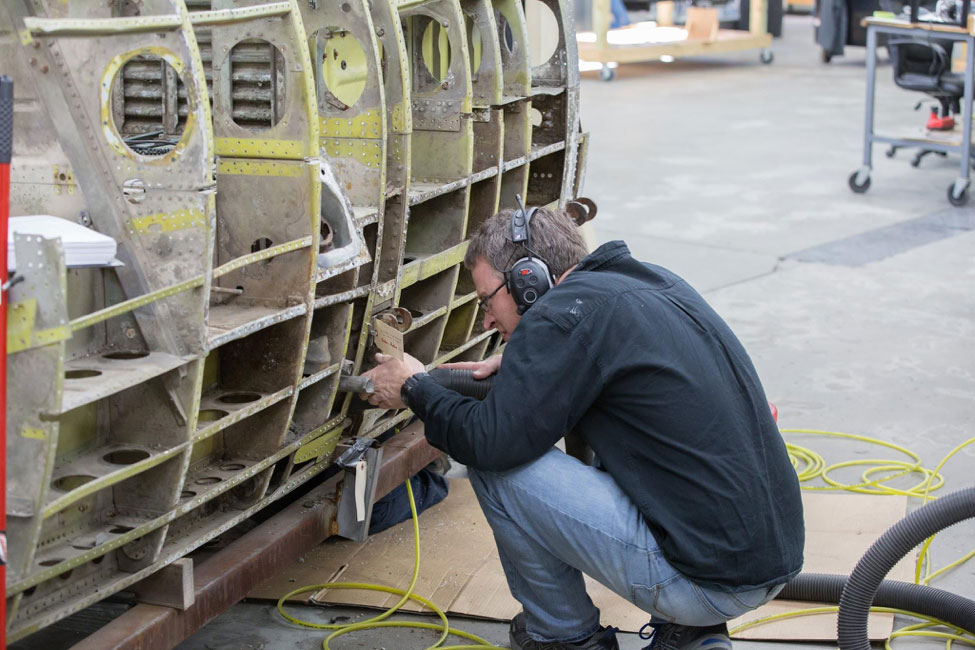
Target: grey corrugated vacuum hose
(868, 575)
(462, 381)
(828, 588)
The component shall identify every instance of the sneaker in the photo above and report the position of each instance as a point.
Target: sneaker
(604, 639)
(670, 636)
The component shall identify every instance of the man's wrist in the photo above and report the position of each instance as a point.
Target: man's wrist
(409, 385)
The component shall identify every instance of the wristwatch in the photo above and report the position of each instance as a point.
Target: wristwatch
(409, 385)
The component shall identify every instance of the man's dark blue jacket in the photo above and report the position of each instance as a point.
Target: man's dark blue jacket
(634, 359)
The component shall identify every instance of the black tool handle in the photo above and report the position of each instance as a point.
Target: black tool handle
(6, 119)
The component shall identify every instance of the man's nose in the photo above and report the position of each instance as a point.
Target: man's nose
(488, 320)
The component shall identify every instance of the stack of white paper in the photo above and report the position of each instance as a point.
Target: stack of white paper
(82, 246)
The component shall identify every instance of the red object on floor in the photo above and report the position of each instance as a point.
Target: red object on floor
(775, 411)
(936, 123)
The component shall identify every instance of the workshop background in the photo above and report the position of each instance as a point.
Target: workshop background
(857, 309)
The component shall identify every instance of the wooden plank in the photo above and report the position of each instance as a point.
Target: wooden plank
(727, 40)
(171, 586)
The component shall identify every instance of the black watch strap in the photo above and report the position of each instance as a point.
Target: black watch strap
(409, 385)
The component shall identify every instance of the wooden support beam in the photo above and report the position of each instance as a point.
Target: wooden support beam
(171, 586)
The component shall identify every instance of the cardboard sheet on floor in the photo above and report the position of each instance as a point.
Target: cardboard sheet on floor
(461, 573)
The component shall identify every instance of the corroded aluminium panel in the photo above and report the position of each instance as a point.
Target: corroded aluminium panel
(350, 151)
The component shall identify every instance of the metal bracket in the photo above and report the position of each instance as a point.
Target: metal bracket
(361, 462)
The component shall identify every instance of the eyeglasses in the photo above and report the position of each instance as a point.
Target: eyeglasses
(485, 303)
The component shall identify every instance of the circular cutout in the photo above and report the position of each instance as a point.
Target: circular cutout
(208, 480)
(210, 415)
(81, 374)
(505, 33)
(51, 562)
(541, 20)
(536, 116)
(68, 483)
(257, 84)
(239, 398)
(261, 244)
(148, 105)
(187, 494)
(474, 44)
(344, 67)
(97, 560)
(125, 456)
(436, 50)
(126, 355)
(120, 530)
(232, 467)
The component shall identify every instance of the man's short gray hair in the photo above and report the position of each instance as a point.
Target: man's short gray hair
(555, 239)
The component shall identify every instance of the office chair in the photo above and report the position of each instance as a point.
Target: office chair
(925, 66)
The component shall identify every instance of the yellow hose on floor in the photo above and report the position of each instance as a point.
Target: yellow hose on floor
(380, 621)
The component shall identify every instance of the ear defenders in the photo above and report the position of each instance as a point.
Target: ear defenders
(528, 278)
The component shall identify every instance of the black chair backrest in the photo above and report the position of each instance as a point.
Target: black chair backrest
(931, 58)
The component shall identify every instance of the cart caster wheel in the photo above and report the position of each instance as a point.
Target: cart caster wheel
(607, 73)
(958, 197)
(767, 56)
(890, 153)
(825, 56)
(916, 161)
(861, 186)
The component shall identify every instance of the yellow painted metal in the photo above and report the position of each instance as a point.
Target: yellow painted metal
(319, 447)
(168, 221)
(367, 152)
(219, 425)
(344, 67)
(475, 45)
(63, 178)
(112, 74)
(402, 121)
(134, 303)
(425, 268)
(21, 335)
(106, 480)
(310, 97)
(364, 125)
(101, 26)
(219, 16)
(265, 254)
(32, 433)
(261, 148)
(52, 335)
(20, 324)
(436, 50)
(259, 168)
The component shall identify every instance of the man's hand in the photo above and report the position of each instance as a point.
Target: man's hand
(481, 369)
(388, 378)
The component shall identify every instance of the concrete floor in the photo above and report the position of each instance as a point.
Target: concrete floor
(857, 310)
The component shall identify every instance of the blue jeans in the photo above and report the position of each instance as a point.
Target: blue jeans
(556, 518)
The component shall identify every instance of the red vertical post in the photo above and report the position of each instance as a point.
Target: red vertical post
(6, 150)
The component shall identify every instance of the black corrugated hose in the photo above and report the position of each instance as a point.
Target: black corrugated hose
(868, 575)
(866, 586)
(920, 599)
(462, 381)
